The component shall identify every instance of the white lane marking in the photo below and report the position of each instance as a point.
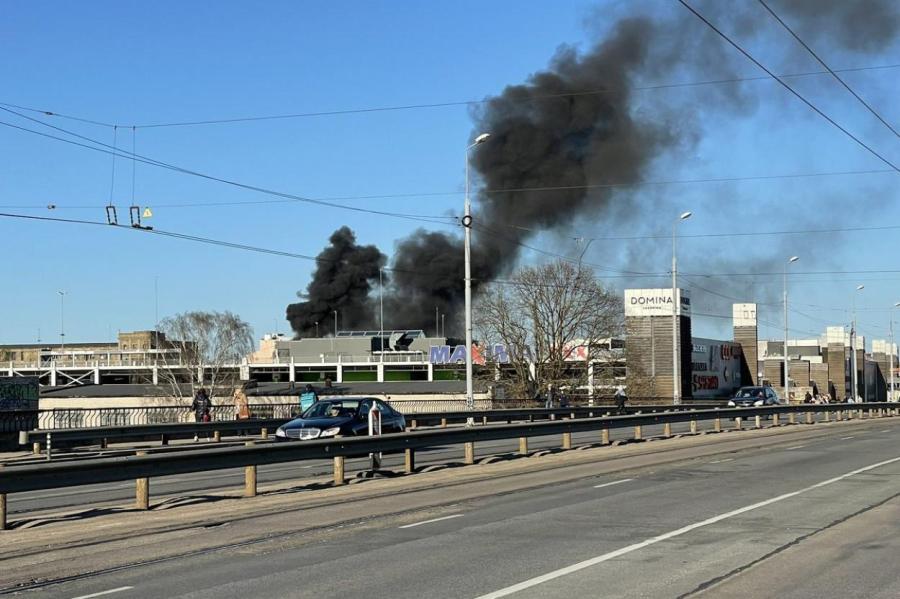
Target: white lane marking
(796, 447)
(101, 593)
(675, 533)
(850, 437)
(722, 460)
(615, 482)
(430, 521)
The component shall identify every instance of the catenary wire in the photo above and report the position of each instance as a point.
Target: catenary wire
(797, 94)
(827, 68)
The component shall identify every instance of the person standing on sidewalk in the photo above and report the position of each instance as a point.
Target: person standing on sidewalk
(201, 407)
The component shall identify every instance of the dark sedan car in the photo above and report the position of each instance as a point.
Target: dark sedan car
(345, 416)
(747, 397)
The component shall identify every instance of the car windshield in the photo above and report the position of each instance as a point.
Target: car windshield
(748, 392)
(332, 409)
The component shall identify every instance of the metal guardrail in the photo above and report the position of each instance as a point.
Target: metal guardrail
(46, 438)
(68, 418)
(15, 479)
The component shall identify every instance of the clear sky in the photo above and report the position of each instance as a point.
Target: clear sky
(142, 63)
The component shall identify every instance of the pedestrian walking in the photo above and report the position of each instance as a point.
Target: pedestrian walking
(308, 398)
(620, 399)
(548, 398)
(201, 406)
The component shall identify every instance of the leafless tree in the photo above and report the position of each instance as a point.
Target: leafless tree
(543, 316)
(211, 347)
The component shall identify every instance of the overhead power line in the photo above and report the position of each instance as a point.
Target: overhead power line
(107, 149)
(799, 96)
(827, 68)
(420, 106)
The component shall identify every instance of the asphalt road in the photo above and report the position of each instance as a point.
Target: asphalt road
(116, 493)
(815, 519)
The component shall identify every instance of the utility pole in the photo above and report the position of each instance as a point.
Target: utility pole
(853, 381)
(787, 380)
(381, 309)
(62, 321)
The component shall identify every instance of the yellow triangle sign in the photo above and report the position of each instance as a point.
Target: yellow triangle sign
(147, 213)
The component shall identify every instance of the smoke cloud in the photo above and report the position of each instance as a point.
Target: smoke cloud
(581, 127)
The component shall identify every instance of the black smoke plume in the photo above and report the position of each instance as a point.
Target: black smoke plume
(581, 127)
(346, 274)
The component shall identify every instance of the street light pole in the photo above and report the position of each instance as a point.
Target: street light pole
(62, 321)
(853, 381)
(787, 380)
(467, 227)
(676, 371)
(891, 353)
(381, 310)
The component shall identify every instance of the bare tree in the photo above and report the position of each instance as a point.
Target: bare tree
(544, 315)
(211, 347)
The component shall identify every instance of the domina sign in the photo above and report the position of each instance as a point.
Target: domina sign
(655, 302)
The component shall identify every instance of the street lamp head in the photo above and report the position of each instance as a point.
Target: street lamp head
(793, 258)
(685, 215)
(897, 305)
(482, 138)
(860, 287)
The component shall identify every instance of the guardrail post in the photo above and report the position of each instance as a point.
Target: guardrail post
(523, 445)
(484, 420)
(759, 422)
(142, 490)
(667, 430)
(809, 418)
(792, 418)
(338, 470)
(693, 426)
(552, 416)
(49, 446)
(470, 453)
(264, 433)
(414, 423)
(163, 440)
(2, 508)
(737, 423)
(217, 436)
(827, 416)
(104, 443)
(776, 418)
(36, 448)
(637, 433)
(870, 413)
(409, 461)
(718, 424)
(567, 441)
(249, 477)
(840, 415)
(604, 436)
(443, 423)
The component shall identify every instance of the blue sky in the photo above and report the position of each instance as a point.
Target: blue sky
(140, 63)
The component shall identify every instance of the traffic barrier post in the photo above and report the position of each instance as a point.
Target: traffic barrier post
(409, 460)
(759, 422)
(264, 433)
(217, 436)
(809, 418)
(523, 445)
(718, 425)
(693, 426)
(36, 448)
(792, 418)
(775, 420)
(567, 441)
(604, 436)
(470, 453)
(638, 433)
(249, 477)
(667, 430)
(339, 470)
(142, 490)
(737, 423)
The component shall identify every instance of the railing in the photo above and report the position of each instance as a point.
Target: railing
(18, 479)
(67, 418)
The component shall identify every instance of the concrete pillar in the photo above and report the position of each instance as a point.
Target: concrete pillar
(339, 374)
(53, 373)
(155, 374)
(567, 440)
(430, 372)
(409, 461)
(142, 490)
(249, 477)
(523, 445)
(379, 369)
(470, 453)
(338, 470)
(97, 376)
(292, 371)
